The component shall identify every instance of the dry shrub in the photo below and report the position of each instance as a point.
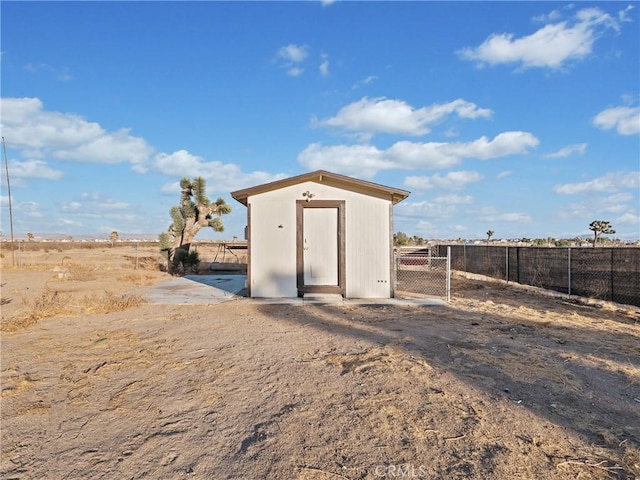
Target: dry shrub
(82, 272)
(137, 279)
(631, 459)
(109, 302)
(49, 304)
(52, 303)
(145, 262)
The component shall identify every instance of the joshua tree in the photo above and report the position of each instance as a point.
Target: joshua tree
(195, 212)
(600, 227)
(113, 237)
(489, 235)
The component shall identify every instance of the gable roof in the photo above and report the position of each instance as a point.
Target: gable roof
(396, 195)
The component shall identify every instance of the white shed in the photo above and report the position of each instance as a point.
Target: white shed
(320, 232)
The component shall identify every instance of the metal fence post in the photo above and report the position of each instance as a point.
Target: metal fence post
(448, 274)
(464, 255)
(612, 261)
(506, 266)
(569, 271)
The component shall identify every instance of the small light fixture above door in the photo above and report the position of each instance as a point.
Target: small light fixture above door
(308, 195)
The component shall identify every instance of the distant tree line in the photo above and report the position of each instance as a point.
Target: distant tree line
(598, 227)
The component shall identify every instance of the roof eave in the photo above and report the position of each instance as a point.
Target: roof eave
(396, 195)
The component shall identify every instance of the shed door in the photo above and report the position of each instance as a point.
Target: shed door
(320, 249)
(320, 246)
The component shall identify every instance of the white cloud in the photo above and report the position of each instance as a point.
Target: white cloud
(426, 209)
(94, 205)
(65, 222)
(628, 218)
(220, 177)
(552, 16)
(626, 120)
(72, 206)
(504, 144)
(623, 15)
(517, 217)
(504, 174)
(552, 46)
(361, 160)
(366, 81)
(454, 199)
(430, 155)
(294, 53)
(324, 66)
(620, 204)
(295, 71)
(611, 182)
(61, 74)
(491, 214)
(569, 150)
(367, 160)
(29, 209)
(36, 133)
(116, 147)
(452, 180)
(382, 115)
(33, 169)
(292, 56)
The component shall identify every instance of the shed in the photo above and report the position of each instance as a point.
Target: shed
(320, 233)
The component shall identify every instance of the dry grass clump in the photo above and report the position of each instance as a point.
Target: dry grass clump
(146, 262)
(82, 272)
(109, 302)
(631, 460)
(4, 300)
(137, 279)
(51, 303)
(48, 304)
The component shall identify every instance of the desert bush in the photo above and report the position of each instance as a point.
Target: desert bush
(82, 272)
(48, 304)
(144, 262)
(110, 302)
(137, 279)
(184, 261)
(188, 259)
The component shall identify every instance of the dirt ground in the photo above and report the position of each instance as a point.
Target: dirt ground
(502, 383)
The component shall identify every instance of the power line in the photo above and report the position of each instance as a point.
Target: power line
(6, 166)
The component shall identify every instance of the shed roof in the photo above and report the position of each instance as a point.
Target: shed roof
(395, 195)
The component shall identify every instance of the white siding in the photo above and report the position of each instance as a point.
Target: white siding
(273, 249)
(367, 248)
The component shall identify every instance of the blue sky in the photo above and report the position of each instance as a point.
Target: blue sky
(517, 117)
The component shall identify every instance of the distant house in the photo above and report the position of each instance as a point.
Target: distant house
(320, 232)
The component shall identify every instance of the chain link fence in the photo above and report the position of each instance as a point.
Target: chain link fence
(611, 274)
(419, 273)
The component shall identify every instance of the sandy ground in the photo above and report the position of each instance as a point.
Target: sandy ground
(501, 384)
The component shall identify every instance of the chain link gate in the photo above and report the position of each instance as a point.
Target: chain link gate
(419, 274)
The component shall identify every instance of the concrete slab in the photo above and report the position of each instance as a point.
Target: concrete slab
(197, 290)
(213, 289)
(424, 302)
